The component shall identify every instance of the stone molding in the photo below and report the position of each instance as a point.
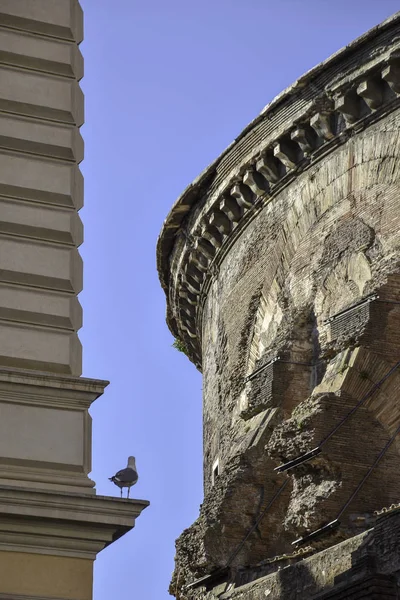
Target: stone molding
(57, 456)
(41, 186)
(53, 18)
(41, 223)
(39, 96)
(30, 597)
(76, 525)
(54, 140)
(59, 183)
(82, 389)
(189, 252)
(34, 53)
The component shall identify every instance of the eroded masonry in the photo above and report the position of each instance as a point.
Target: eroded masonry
(282, 273)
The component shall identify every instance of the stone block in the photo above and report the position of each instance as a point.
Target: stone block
(212, 234)
(55, 18)
(256, 182)
(322, 125)
(42, 180)
(40, 307)
(205, 247)
(268, 167)
(189, 332)
(192, 271)
(35, 94)
(221, 221)
(45, 430)
(391, 74)
(243, 195)
(41, 222)
(44, 573)
(372, 92)
(199, 260)
(231, 208)
(39, 435)
(188, 297)
(39, 137)
(42, 54)
(192, 285)
(40, 348)
(28, 262)
(286, 154)
(304, 138)
(349, 106)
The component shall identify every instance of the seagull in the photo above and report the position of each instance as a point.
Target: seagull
(126, 477)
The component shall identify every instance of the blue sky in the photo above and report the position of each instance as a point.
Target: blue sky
(168, 86)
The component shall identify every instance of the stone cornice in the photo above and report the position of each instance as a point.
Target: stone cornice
(30, 597)
(80, 390)
(340, 97)
(67, 524)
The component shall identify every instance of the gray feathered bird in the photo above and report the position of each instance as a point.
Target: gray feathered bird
(126, 477)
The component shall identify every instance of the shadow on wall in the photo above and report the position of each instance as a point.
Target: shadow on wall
(302, 578)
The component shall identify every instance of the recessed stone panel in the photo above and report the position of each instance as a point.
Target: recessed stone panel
(28, 262)
(52, 182)
(39, 434)
(33, 136)
(40, 348)
(40, 95)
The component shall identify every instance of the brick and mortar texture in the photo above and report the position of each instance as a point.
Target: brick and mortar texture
(281, 269)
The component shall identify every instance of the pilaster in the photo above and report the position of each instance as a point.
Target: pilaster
(52, 523)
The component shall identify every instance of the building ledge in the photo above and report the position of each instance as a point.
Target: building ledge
(71, 383)
(61, 523)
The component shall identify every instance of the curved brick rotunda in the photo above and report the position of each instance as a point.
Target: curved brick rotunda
(281, 268)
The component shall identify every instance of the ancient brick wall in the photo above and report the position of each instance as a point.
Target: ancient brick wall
(296, 255)
(282, 275)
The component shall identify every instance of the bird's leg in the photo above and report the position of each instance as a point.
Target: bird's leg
(128, 492)
(121, 492)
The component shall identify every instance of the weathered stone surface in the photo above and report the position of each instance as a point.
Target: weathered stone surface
(365, 566)
(296, 325)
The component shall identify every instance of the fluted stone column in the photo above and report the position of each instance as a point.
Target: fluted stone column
(52, 524)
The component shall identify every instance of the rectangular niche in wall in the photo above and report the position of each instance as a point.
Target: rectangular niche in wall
(215, 471)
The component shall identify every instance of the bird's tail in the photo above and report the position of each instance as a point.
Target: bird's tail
(111, 479)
